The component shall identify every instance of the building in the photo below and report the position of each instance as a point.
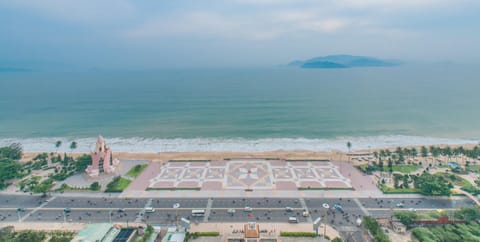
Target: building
(104, 232)
(102, 160)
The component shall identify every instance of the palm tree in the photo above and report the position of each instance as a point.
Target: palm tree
(349, 146)
(73, 146)
(424, 153)
(57, 145)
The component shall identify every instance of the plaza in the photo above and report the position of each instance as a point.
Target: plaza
(246, 175)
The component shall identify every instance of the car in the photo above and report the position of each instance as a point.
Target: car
(247, 209)
(288, 209)
(231, 211)
(67, 210)
(121, 210)
(305, 214)
(338, 207)
(412, 209)
(293, 220)
(400, 205)
(149, 210)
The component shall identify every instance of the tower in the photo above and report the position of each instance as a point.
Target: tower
(102, 160)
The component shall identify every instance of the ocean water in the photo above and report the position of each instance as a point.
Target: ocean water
(242, 109)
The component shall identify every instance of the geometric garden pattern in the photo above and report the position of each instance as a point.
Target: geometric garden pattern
(254, 174)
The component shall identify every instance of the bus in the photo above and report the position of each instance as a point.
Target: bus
(198, 213)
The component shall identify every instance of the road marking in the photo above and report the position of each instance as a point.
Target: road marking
(207, 210)
(172, 209)
(348, 228)
(37, 208)
(305, 208)
(140, 215)
(365, 212)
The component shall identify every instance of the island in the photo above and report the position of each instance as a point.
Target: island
(343, 61)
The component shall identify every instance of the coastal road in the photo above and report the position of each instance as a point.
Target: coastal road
(104, 209)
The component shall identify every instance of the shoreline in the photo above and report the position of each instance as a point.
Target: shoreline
(249, 145)
(221, 155)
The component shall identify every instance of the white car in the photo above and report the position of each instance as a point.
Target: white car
(412, 209)
(400, 205)
(247, 209)
(231, 211)
(288, 209)
(305, 214)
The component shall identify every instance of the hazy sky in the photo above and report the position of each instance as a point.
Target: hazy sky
(183, 34)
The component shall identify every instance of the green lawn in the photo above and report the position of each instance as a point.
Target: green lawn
(385, 189)
(118, 184)
(136, 170)
(474, 168)
(395, 168)
(405, 168)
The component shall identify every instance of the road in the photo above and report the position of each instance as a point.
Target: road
(97, 209)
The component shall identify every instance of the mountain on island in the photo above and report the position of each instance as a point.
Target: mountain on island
(343, 61)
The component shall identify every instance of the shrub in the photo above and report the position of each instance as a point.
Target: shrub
(372, 225)
(297, 234)
(95, 186)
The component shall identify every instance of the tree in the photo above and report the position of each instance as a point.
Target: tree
(432, 184)
(349, 146)
(424, 152)
(82, 162)
(13, 151)
(390, 165)
(414, 152)
(380, 165)
(406, 218)
(73, 146)
(95, 186)
(57, 145)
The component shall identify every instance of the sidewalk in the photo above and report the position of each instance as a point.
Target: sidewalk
(274, 229)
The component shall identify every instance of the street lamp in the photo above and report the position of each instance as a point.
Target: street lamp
(176, 206)
(326, 206)
(65, 211)
(20, 210)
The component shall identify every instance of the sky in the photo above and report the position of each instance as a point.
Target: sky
(123, 34)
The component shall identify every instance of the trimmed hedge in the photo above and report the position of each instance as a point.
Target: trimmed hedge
(195, 235)
(172, 188)
(189, 160)
(297, 234)
(326, 188)
(308, 160)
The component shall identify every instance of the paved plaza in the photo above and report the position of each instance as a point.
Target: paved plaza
(242, 174)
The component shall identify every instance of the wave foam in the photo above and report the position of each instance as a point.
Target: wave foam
(145, 145)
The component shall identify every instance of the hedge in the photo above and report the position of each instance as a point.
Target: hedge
(195, 235)
(297, 234)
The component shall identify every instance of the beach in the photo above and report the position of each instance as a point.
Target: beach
(282, 155)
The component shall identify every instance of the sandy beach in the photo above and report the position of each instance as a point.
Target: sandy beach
(287, 155)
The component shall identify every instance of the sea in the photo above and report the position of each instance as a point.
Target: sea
(242, 109)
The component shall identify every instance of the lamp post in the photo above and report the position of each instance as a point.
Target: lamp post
(19, 211)
(326, 206)
(176, 206)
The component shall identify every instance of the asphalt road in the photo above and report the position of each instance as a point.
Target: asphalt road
(262, 207)
(94, 209)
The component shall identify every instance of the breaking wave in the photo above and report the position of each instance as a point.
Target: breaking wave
(155, 145)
